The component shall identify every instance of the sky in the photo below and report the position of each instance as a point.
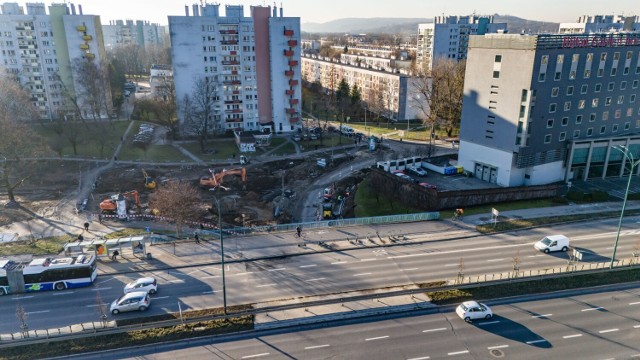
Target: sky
(156, 11)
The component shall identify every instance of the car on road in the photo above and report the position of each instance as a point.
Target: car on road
(416, 171)
(147, 284)
(137, 300)
(553, 243)
(428, 186)
(472, 310)
(297, 137)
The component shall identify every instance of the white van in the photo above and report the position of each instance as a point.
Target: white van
(553, 243)
(346, 130)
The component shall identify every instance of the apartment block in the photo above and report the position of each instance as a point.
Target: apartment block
(40, 50)
(448, 37)
(589, 24)
(550, 108)
(129, 32)
(253, 62)
(396, 92)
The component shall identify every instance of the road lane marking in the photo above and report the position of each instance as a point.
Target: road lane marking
(635, 303)
(420, 358)
(208, 292)
(22, 297)
(316, 279)
(636, 326)
(64, 293)
(265, 285)
(365, 260)
(608, 331)
(451, 265)
(497, 347)
(316, 347)
(362, 274)
(403, 256)
(254, 356)
(377, 338)
(94, 305)
(308, 266)
(459, 251)
(278, 269)
(532, 256)
(177, 281)
(458, 352)
(495, 260)
(591, 309)
(571, 336)
(98, 289)
(37, 312)
(244, 273)
(160, 297)
(536, 341)
(338, 262)
(489, 322)
(412, 269)
(432, 330)
(542, 316)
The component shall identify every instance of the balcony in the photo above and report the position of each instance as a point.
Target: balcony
(228, 31)
(288, 73)
(81, 28)
(229, 42)
(232, 82)
(292, 42)
(293, 101)
(84, 46)
(294, 120)
(293, 82)
(290, 92)
(288, 33)
(87, 37)
(233, 102)
(231, 62)
(293, 63)
(288, 53)
(236, 92)
(90, 56)
(292, 111)
(233, 53)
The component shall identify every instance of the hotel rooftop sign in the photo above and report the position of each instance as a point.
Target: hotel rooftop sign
(588, 41)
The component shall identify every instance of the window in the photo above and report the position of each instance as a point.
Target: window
(618, 114)
(547, 139)
(565, 121)
(632, 98)
(545, 59)
(612, 86)
(623, 85)
(614, 128)
(555, 91)
(592, 117)
(567, 105)
(572, 75)
(576, 134)
(616, 56)
(627, 126)
(614, 71)
(589, 131)
(607, 101)
(549, 123)
(620, 99)
(498, 58)
(558, 76)
(569, 90)
(600, 72)
(603, 129)
(605, 115)
(629, 112)
(581, 104)
(598, 88)
(560, 59)
(587, 74)
(603, 56)
(578, 119)
(496, 74)
(552, 107)
(594, 103)
(584, 88)
(563, 136)
(541, 77)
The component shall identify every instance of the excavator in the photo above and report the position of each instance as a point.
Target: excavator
(118, 203)
(149, 183)
(215, 180)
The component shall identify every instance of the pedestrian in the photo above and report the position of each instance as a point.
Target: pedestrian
(114, 255)
(80, 238)
(197, 238)
(453, 144)
(86, 226)
(299, 230)
(100, 218)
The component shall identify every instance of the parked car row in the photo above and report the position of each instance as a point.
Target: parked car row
(144, 135)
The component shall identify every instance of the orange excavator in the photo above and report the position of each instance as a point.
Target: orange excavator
(118, 203)
(215, 180)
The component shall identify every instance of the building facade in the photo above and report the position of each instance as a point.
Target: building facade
(550, 108)
(130, 32)
(448, 37)
(600, 23)
(396, 92)
(43, 51)
(252, 63)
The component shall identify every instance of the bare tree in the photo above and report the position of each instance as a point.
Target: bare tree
(101, 307)
(178, 201)
(21, 315)
(165, 99)
(94, 90)
(201, 109)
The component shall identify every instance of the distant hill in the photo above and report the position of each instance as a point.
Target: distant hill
(515, 25)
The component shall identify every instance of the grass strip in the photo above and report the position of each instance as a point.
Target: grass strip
(531, 287)
(136, 337)
(516, 224)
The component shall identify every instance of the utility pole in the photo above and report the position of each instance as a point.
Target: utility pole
(224, 287)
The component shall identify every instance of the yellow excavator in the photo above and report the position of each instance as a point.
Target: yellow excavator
(149, 183)
(215, 180)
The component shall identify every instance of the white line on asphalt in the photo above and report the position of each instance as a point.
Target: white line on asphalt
(64, 293)
(253, 356)
(458, 352)
(317, 347)
(316, 279)
(177, 281)
(489, 322)
(209, 277)
(532, 256)
(338, 262)
(458, 251)
(451, 265)
(104, 281)
(636, 326)
(93, 305)
(536, 341)
(160, 297)
(377, 338)
(494, 260)
(362, 274)
(265, 285)
(37, 312)
(207, 292)
(98, 289)
(420, 358)
(571, 336)
(608, 331)
(541, 316)
(412, 269)
(278, 269)
(590, 309)
(403, 256)
(609, 248)
(635, 303)
(22, 297)
(244, 273)
(365, 260)
(306, 266)
(432, 330)
(497, 347)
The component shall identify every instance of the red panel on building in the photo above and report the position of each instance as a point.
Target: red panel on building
(293, 63)
(292, 42)
(288, 53)
(288, 33)
(288, 73)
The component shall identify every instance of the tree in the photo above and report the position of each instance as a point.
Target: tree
(93, 87)
(166, 110)
(18, 141)
(199, 106)
(178, 201)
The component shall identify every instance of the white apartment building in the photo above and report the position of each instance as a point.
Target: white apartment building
(40, 49)
(130, 32)
(588, 24)
(254, 62)
(396, 92)
(377, 63)
(448, 37)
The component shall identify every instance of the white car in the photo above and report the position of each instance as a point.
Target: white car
(137, 300)
(416, 171)
(472, 310)
(146, 284)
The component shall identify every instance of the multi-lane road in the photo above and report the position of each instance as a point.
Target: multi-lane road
(316, 274)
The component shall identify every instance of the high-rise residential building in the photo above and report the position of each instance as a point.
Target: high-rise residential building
(250, 63)
(549, 108)
(447, 37)
(389, 93)
(130, 32)
(588, 24)
(44, 52)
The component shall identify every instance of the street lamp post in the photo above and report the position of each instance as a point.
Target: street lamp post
(224, 287)
(633, 162)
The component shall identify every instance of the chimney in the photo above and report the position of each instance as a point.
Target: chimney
(275, 11)
(195, 9)
(280, 9)
(73, 9)
(80, 9)
(186, 10)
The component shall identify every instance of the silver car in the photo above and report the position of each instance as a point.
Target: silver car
(147, 284)
(138, 300)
